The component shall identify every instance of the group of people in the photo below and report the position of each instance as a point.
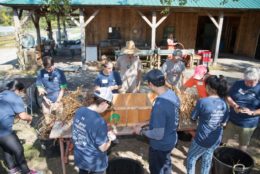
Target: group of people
(238, 107)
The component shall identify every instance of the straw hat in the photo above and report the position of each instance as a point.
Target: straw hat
(130, 48)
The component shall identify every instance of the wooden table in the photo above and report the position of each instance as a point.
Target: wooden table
(63, 133)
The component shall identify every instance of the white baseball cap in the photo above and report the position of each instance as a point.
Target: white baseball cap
(104, 93)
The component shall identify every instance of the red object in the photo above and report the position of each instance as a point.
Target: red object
(206, 55)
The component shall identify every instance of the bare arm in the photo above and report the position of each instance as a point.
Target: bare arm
(60, 95)
(104, 147)
(25, 116)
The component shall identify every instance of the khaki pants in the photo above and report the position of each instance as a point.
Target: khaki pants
(244, 134)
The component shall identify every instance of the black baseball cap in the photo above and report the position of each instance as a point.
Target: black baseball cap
(156, 77)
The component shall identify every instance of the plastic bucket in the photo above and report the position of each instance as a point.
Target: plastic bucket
(227, 160)
(124, 166)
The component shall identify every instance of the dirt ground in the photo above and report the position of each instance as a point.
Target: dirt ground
(45, 156)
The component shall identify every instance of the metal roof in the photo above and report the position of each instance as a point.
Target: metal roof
(231, 4)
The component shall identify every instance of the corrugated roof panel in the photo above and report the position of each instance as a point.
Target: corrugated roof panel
(241, 4)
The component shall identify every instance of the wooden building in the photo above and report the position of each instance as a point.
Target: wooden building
(232, 27)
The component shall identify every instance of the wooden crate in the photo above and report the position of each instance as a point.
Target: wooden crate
(132, 108)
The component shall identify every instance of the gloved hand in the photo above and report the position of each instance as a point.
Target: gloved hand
(111, 136)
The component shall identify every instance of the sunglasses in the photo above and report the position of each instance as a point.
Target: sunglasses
(109, 103)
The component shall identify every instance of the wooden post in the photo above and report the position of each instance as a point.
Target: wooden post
(153, 26)
(219, 26)
(83, 35)
(153, 40)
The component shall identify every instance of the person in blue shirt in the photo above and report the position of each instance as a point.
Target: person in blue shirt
(90, 134)
(12, 106)
(212, 114)
(244, 101)
(51, 84)
(108, 78)
(162, 132)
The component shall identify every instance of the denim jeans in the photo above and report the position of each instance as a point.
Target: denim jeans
(160, 161)
(195, 152)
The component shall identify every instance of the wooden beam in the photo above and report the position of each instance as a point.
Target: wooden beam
(220, 26)
(82, 38)
(145, 19)
(91, 18)
(75, 21)
(213, 20)
(161, 20)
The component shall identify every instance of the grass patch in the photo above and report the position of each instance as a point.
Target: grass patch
(7, 41)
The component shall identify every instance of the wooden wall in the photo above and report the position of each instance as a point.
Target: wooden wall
(249, 30)
(129, 20)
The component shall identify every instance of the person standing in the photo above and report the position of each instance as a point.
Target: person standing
(162, 132)
(51, 84)
(198, 80)
(90, 134)
(173, 70)
(130, 68)
(212, 114)
(12, 105)
(108, 78)
(171, 44)
(244, 101)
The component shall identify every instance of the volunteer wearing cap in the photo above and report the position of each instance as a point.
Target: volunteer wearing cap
(173, 70)
(198, 80)
(108, 78)
(90, 134)
(244, 101)
(163, 124)
(130, 68)
(51, 84)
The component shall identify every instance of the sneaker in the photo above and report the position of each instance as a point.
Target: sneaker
(35, 172)
(14, 171)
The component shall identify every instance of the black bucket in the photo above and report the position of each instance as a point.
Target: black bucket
(227, 160)
(124, 166)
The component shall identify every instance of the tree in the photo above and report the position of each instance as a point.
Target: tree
(5, 16)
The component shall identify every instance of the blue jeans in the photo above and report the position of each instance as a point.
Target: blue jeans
(195, 152)
(160, 161)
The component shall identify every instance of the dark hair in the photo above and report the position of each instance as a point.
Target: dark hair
(219, 84)
(47, 61)
(15, 85)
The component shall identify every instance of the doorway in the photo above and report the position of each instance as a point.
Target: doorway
(257, 51)
(206, 34)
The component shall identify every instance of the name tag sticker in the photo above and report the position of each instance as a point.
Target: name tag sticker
(45, 75)
(104, 81)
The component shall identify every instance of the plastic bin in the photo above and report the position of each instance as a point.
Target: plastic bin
(227, 160)
(124, 166)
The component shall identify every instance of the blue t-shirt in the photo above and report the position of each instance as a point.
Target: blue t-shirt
(89, 131)
(112, 79)
(52, 82)
(248, 97)
(10, 104)
(165, 114)
(212, 114)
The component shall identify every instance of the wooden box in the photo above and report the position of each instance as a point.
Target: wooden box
(133, 108)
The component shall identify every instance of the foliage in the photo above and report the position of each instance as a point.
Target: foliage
(61, 7)
(6, 16)
(184, 2)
